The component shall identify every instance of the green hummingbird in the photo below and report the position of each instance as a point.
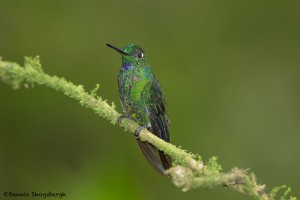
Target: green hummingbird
(143, 101)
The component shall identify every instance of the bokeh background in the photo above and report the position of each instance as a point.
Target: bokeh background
(230, 71)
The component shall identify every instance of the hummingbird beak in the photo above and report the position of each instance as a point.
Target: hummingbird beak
(118, 50)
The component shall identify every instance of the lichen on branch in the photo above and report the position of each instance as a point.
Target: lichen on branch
(188, 171)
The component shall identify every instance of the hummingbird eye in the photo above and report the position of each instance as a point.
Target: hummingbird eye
(140, 55)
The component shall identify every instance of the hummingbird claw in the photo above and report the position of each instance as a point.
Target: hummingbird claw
(138, 131)
(119, 120)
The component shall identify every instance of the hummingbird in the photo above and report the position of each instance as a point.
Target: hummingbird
(143, 101)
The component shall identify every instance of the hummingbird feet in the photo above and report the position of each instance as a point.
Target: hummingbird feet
(119, 120)
(139, 130)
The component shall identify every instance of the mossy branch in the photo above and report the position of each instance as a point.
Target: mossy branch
(188, 172)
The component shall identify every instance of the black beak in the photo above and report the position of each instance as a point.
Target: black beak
(118, 50)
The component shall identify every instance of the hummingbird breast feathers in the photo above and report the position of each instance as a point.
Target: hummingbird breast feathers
(142, 99)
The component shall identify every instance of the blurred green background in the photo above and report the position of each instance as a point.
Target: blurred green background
(230, 71)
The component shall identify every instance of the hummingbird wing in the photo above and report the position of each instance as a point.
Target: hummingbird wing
(157, 113)
(159, 125)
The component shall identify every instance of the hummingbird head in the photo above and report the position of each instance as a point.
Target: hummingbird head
(132, 56)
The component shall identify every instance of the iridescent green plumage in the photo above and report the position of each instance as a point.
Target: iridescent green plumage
(143, 101)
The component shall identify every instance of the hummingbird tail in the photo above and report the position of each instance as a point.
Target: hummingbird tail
(158, 159)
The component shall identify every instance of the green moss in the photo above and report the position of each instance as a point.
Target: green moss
(213, 167)
(275, 191)
(94, 91)
(33, 62)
